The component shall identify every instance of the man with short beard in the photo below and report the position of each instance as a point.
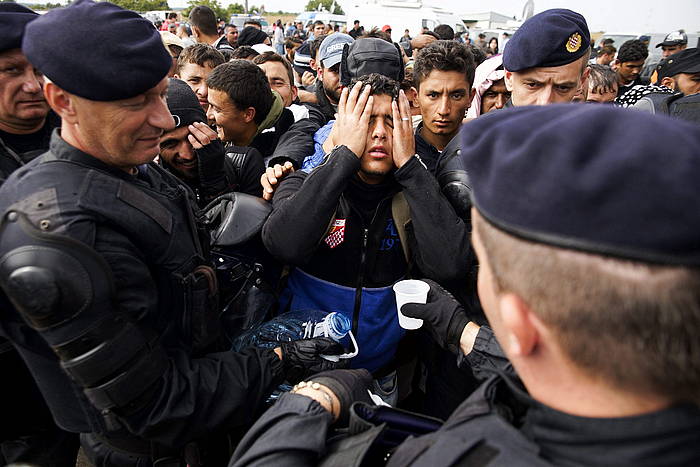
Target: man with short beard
(194, 154)
(328, 67)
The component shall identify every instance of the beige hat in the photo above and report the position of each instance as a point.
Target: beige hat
(171, 39)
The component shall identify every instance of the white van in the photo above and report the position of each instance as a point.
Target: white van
(308, 17)
(400, 15)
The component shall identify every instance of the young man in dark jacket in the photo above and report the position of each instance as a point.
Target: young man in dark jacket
(337, 226)
(248, 113)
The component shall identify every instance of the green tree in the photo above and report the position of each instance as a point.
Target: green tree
(234, 8)
(142, 5)
(219, 11)
(326, 5)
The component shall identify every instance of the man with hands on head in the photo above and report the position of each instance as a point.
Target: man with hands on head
(346, 245)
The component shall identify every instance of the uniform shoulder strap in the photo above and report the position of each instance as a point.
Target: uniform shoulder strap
(401, 214)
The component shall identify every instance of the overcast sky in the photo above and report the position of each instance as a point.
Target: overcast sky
(641, 16)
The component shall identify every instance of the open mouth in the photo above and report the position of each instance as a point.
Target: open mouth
(378, 152)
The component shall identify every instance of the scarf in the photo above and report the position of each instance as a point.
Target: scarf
(486, 74)
(273, 115)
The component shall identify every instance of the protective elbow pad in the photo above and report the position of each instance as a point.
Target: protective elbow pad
(454, 181)
(64, 290)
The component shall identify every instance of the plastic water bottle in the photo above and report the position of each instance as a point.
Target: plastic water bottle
(295, 325)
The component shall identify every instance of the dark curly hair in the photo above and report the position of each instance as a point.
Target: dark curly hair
(632, 51)
(444, 56)
(381, 85)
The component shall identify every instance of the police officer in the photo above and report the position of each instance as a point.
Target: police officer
(25, 118)
(545, 60)
(106, 264)
(29, 433)
(590, 281)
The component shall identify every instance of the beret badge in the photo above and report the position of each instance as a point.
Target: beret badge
(574, 42)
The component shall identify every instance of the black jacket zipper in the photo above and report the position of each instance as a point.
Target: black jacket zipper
(363, 258)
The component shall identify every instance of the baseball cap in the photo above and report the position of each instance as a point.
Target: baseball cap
(331, 50)
(386, 28)
(685, 61)
(371, 55)
(302, 57)
(674, 38)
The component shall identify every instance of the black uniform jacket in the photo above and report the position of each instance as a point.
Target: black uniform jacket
(498, 425)
(142, 226)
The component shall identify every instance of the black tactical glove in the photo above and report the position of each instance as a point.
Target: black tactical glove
(303, 357)
(444, 317)
(349, 386)
(210, 163)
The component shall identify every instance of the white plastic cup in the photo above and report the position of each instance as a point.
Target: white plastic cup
(410, 291)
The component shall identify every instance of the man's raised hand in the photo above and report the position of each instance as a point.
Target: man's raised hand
(352, 125)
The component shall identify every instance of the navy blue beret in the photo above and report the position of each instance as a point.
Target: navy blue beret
(552, 38)
(98, 51)
(594, 178)
(13, 20)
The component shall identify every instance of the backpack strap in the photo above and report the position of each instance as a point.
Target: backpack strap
(401, 214)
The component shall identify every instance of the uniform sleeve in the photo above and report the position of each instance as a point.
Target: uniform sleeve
(276, 438)
(442, 250)
(486, 357)
(300, 216)
(192, 396)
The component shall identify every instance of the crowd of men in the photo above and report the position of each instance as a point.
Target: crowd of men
(558, 237)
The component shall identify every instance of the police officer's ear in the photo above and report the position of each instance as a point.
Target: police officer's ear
(508, 78)
(668, 82)
(61, 101)
(521, 327)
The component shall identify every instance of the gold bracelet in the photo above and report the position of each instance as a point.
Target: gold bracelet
(316, 387)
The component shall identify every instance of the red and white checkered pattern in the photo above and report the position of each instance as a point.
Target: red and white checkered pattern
(337, 233)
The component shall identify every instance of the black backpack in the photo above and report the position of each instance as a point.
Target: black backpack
(675, 105)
